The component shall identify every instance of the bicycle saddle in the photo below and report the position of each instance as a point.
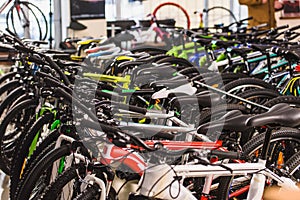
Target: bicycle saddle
(281, 114)
(100, 48)
(106, 52)
(261, 47)
(146, 61)
(169, 83)
(241, 51)
(122, 37)
(225, 44)
(164, 70)
(204, 99)
(75, 25)
(89, 41)
(232, 121)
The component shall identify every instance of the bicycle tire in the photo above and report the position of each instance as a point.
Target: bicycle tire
(203, 76)
(293, 165)
(206, 115)
(154, 13)
(10, 98)
(257, 95)
(9, 86)
(43, 165)
(30, 8)
(292, 100)
(42, 149)
(89, 193)
(24, 142)
(191, 71)
(257, 141)
(151, 50)
(28, 104)
(7, 76)
(176, 61)
(246, 83)
(226, 78)
(38, 22)
(53, 190)
(222, 8)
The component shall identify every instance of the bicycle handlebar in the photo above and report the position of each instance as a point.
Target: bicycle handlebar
(58, 70)
(295, 28)
(71, 99)
(130, 107)
(51, 82)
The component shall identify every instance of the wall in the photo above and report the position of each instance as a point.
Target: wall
(138, 10)
(290, 22)
(95, 27)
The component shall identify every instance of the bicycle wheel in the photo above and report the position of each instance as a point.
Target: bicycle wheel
(243, 84)
(8, 87)
(218, 15)
(10, 99)
(41, 151)
(39, 176)
(283, 145)
(7, 77)
(293, 101)
(27, 20)
(11, 127)
(293, 165)
(63, 186)
(256, 95)
(170, 10)
(67, 186)
(225, 78)
(22, 153)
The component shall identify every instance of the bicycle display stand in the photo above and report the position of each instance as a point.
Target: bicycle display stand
(115, 27)
(211, 113)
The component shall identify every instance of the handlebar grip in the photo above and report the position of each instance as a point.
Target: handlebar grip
(165, 135)
(23, 49)
(294, 28)
(246, 19)
(225, 154)
(257, 33)
(130, 108)
(35, 59)
(99, 126)
(281, 27)
(261, 25)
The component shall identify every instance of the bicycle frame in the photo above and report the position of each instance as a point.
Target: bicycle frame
(4, 5)
(153, 180)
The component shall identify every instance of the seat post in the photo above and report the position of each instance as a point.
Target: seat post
(266, 144)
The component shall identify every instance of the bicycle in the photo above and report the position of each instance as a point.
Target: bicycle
(171, 7)
(152, 175)
(25, 16)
